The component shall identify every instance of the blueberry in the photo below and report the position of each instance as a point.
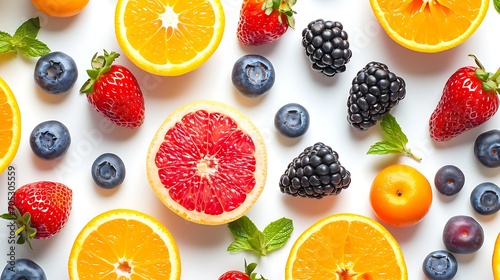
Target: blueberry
(440, 265)
(253, 75)
(449, 180)
(292, 120)
(485, 198)
(50, 140)
(55, 73)
(463, 235)
(487, 148)
(23, 269)
(108, 171)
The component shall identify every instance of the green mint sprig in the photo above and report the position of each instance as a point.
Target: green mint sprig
(496, 4)
(395, 139)
(24, 40)
(247, 237)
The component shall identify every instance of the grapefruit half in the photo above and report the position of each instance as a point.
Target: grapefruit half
(207, 163)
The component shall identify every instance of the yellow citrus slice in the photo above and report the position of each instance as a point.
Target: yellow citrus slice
(207, 163)
(496, 259)
(10, 125)
(346, 246)
(430, 26)
(124, 244)
(169, 38)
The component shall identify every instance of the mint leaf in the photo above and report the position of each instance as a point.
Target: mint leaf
(395, 139)
(28, 29)
(249, 238)
(277, 233)
(496, 3)
(24, 40)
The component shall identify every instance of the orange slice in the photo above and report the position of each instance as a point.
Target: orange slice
(169, 38)
(346, 246)
(124, 244)
(496, 259)
(430, 26)
(207, 163)
(10, 126)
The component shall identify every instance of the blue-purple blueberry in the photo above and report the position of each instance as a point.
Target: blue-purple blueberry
(253, 75)
(23, 269)
(485, 198)
(487, 148)
(440, 265)
(108, 171)
(55, 73)
(50, 140)
(292, 120)
(449, 180)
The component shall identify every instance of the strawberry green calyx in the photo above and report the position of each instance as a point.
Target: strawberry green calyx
(101, 64)
(249, 268)
(490, 81)
(25, 231)
(283, 7)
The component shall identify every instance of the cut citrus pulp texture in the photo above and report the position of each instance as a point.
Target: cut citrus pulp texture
(346, 246)
(207, 162)
(496, 259)
(430, 25)
(169, 37)
(10, 125)
(124, 244)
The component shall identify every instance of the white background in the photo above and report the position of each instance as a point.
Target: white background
(203, 248)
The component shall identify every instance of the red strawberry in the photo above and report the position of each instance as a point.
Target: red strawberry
(470, 98)
(114, 92)
(239, 275)
(264, 21)
(40, 210)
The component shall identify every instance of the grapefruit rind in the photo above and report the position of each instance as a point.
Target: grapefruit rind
(348, 217)
(16, 129)
(128, 214)
(260, 172)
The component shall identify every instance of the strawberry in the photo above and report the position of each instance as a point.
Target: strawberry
(264, 21)
(239, 275)
(114, 92)
(470, 98)
(40, 210)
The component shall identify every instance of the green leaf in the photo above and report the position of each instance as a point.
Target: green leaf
(28, 29)
(496, 3)
(277, 233)
(395, 139)
(6, 42)
(249, 238)
(32, 47)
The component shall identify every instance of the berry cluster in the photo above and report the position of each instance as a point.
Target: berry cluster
(315, 173)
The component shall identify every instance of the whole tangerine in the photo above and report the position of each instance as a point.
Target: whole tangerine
(60, 8)
(400, 195)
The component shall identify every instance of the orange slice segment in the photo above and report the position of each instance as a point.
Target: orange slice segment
(207, 162)
(169, 38)
(346, 246)
(430, 26)
(124, 244)
(10, 125)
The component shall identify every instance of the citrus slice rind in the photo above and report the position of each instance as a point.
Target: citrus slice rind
(207, 163)
(339, 246)
(169, 39)
(124, 244)
(10, 127)
(430, 26)
(495, 263)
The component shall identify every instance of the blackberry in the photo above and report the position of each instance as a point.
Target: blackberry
(315, 173)
(374, 92)
(326, 46)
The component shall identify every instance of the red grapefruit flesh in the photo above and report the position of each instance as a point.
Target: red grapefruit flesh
(207, 163)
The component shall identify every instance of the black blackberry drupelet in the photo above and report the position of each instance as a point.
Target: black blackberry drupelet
(326, 46)
(374, 92)
(315, 173)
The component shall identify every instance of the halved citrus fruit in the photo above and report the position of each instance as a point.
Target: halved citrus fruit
(496, 259)
(169, 38)
(207, 163)
(124, 244)
(430, 26)
(10, 125)
(346, 246)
